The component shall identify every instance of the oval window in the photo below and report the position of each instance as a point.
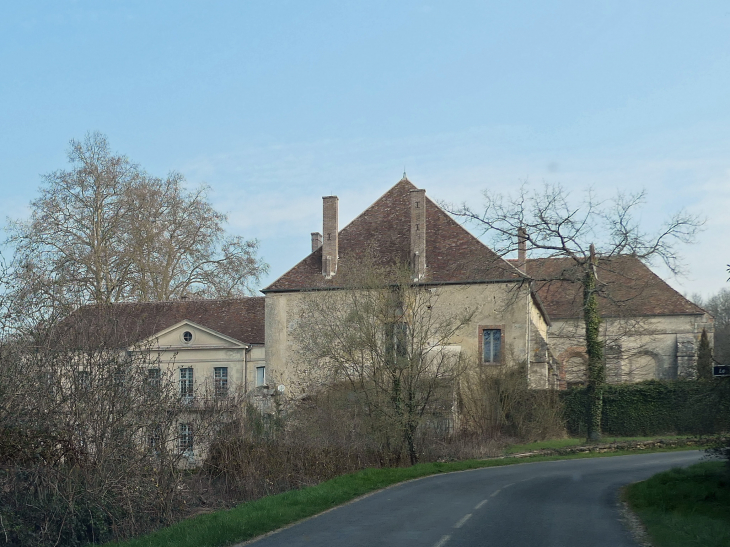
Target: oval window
(187, 336)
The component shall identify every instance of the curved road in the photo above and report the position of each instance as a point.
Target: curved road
(548, 504)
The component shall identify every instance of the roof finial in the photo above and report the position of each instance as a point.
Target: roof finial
(404, 173)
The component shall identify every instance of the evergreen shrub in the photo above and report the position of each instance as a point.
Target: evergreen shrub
(655, 407)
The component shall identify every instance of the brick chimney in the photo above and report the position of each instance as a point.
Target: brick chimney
(522, 249)
(330, 246)
(418, 233)
(316, 241)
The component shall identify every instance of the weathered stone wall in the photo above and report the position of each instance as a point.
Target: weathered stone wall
(497, 305)
(636, 349)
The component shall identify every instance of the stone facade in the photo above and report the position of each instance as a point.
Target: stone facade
(514, 313)
(649, 330)
(405, 227)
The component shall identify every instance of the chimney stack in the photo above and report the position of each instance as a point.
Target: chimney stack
(418, 233)
(330, 246)
(522, 249)
(316, 241)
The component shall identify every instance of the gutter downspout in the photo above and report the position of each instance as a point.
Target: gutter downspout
(245, 370)
(529, 321)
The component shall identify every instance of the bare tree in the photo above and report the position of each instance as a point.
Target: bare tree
(105, 231)
(499, 402)
(178, 246)
(389, 341)
(554, 225)
(75, 237)
(94, 440)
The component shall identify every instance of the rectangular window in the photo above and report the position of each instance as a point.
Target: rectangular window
(400, 339)
(154, 439)
(49, 383)
(120, 378)
(220, 376)
(186, 383)
(492, 345)
(185, 443)
(153, 378)
(260, 376)
(152, 382)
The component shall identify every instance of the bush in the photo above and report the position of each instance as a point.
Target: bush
(88, 447)
(498, 402)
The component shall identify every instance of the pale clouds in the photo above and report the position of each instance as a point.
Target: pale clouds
(708, 259)
(274, 192)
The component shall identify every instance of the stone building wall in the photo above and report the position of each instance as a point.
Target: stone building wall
(635, 349)
(509, 307)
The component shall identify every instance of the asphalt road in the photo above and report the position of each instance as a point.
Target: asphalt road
(548, 504)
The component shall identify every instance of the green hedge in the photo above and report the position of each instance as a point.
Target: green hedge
(655, 408)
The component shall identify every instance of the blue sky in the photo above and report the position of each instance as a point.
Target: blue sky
(275, 104)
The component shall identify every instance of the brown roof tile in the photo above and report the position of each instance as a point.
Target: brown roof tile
(123, 324)
(628, 288)
(382, 231)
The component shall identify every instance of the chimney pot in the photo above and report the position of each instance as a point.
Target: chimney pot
(522, 249)
(330, 246)
(418, 233)
(316, 241)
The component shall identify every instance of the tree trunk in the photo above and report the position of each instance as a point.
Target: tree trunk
(411, 426)
(594, 349)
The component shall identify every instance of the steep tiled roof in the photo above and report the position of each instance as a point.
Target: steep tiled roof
(123, 324)
(382, 233)
(628, 289)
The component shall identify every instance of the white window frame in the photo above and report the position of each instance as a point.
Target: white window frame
(154, 437)
(185, 440)
(187, 387)
(220, 381)
(260, 376)
(154, 378)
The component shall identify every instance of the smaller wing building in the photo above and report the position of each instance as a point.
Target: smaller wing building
(649, 330)
(213, 345)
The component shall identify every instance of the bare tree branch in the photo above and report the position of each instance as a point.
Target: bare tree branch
(105, 231)
(584, 231)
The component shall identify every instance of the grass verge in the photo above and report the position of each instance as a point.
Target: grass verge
(687, 507)
(258, 517)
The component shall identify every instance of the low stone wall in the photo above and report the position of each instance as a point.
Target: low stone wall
(699, 442)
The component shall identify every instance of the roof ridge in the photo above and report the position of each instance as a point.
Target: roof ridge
(230, 299)
(168, 302)
(404, 180)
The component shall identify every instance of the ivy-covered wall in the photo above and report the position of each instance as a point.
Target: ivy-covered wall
(655, 408)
